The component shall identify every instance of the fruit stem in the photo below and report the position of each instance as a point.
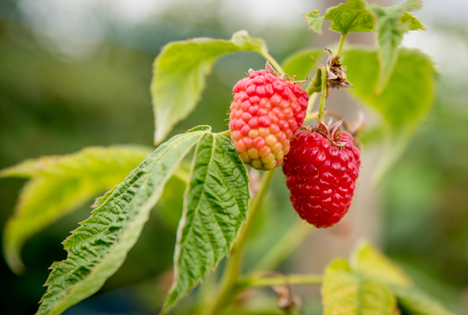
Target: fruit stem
(273, 62)
(323, 96)
(284, 247)
(342, 39)
(233, 265)
(258, 281)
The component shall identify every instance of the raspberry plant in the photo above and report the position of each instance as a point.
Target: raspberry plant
(268, 109)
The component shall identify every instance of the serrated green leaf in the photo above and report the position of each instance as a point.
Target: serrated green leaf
(215, 207)
(415, 302)
(345, 293)
(390, 30)
(300, 64)
(28, 168)
(180, 72)
(60, 185)
(403, 104)
(390, 23)
(350, 17)
(368, 261)
(413, 22)
(314, 20)
(99, 246)
(371, 264)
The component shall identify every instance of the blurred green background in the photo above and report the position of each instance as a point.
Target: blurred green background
(77, 73)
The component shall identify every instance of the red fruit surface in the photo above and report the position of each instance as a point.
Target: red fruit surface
(264, 115)
(321, 176)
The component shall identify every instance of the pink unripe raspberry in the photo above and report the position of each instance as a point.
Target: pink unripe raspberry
(266, 112)
(321, 170)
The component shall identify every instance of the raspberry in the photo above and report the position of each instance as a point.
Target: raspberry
(266, 112)
(321, 170)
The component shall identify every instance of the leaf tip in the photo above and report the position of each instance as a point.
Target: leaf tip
(13, 260)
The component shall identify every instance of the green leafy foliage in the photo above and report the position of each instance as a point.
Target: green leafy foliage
(390, 23)
(369, 263)
(314, 20)
(350, 17)
(99, 246)
(358, 16)
(403, 104)
(60, 185)
(346, 293)
(413, 22)
(300, 64)
(180, 73)
(390, 30)
(415, 302)
(215, 207)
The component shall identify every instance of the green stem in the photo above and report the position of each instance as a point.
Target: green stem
(273, 62)
(323, 97)
(224, 133)
(342, 39)
(283, 249)
(280, 280)
(233, 266)
(315, 83)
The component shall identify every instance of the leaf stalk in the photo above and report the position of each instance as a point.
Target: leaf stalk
(342, 39)
(259, 281)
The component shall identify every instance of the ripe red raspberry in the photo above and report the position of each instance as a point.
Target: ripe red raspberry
(266, 112)
(321, 170)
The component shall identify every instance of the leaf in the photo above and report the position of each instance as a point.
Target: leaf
(390, 23)
(99, 246)
(345, 293)
(357, 16)
(314, 20)
(390, 30)
(371, 264)
(413, 22)
(180, 72)
(28, 168)
(414, 302)
(300, 64)
(403, 104)
(60, 185)
(215, 207)
(368, 261)
(350, 17)
(346, 18)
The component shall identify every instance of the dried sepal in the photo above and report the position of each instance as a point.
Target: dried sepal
(332, 132)
(336, 72)
(285, 77)
(271, 69)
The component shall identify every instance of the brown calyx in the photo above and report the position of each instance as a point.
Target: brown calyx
(336, 72)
